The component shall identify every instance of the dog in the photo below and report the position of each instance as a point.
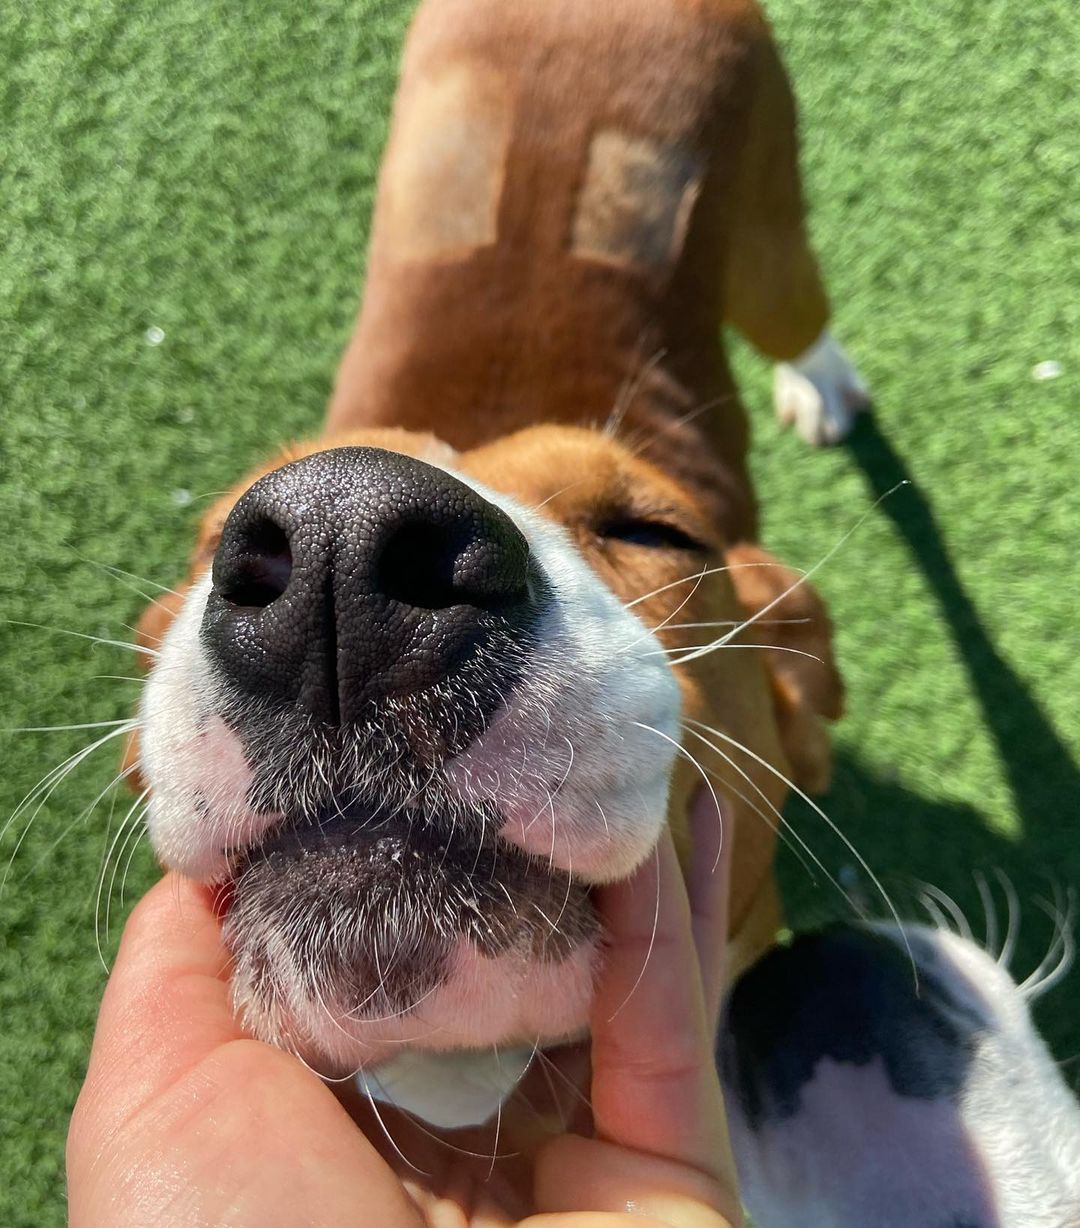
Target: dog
(892, 1076)
(435, 674)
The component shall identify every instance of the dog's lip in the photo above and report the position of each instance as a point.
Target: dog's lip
(470, 840)
(454, 880)
(360, 821)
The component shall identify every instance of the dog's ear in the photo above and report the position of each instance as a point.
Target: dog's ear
(805, 683)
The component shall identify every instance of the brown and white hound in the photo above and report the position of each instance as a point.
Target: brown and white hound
(438, 672)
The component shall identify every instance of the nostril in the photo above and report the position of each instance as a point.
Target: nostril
(261, 568)
(417, 563)
(481, 562)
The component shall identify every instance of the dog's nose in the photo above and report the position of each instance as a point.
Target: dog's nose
(357, 575)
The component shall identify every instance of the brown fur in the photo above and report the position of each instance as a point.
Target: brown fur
(574, 197)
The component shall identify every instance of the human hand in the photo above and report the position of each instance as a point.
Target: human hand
(183, 1120)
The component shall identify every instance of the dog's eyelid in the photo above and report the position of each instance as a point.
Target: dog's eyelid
(652, 531)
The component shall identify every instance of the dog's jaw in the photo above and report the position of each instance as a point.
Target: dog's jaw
(576, 763)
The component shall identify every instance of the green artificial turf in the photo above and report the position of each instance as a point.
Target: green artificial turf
(206, 169)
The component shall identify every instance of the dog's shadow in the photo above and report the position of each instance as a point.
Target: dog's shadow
(944, 843)
(1042, 775)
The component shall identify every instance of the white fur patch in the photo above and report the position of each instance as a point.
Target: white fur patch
(820, 392)
(1004, 1153)
(198, 814)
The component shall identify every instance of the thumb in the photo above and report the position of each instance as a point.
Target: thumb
(662, 1147)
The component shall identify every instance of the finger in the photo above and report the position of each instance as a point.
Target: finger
(654, 1084)
(166, 1005)
(184, 1120)
(708, 884)
(589, 1183)
(662, 1149)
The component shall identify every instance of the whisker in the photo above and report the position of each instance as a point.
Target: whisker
(40, 794)
(119, 571)
(143, 833)
(498, 1124)
(58, 728)
(134, 828)
(663, 623)
(963, 927)
(735, 622)
(55, 775)
(652, 941)
(1062, 948)
(1012, 927)
(561, 491)
(692, 654)
(783, 828)
(631, 386)
(771, 605)
(643, 442)
(937, 917)
(704, 776)
(134, 833)
(520, 1096)
(81, 635)
(832, 826)
(120, 574)
(547, 1064)
(85, 813)
(104, 870)
(695, 575)
(990, 931)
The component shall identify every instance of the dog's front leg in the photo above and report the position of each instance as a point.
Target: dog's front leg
(773, 290)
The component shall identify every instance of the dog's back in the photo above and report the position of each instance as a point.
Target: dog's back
(567, 196)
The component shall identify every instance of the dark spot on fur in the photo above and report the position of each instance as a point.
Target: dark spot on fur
(848, 994)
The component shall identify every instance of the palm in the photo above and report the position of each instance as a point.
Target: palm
(183, 1119)
(489, 1167)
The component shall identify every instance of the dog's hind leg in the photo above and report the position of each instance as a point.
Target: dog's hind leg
(773, 292)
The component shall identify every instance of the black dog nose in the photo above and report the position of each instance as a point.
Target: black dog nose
(357, 575)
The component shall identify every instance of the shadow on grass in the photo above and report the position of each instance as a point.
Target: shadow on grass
(910, 839)
(1038, 765)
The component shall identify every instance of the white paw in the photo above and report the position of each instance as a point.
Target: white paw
(820, 392)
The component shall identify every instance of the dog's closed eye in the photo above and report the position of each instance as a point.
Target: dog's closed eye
(652, 534)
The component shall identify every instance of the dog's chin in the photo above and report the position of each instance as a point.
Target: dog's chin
(367, 931)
